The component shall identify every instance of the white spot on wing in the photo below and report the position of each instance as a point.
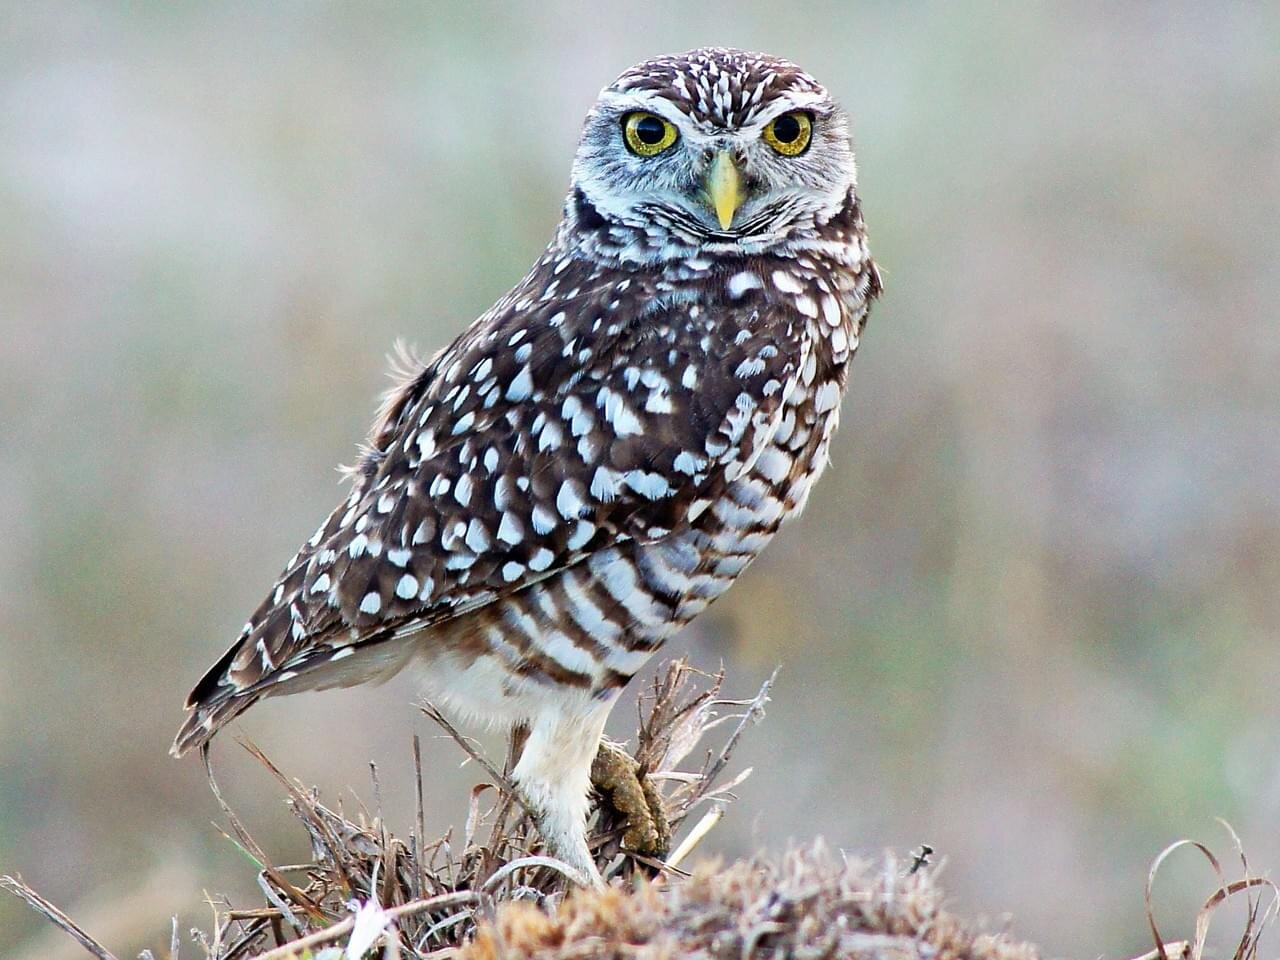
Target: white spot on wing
(462, 490)
(831, 310)
(687, 463)
(477, 538)
(583, 532)
(551, 436)
(521, 386)
(827, 397)
(839, 342)
(658, 402)
(569, 500)
(773, 464)
(606, 484)
(578, 416)
(617, 412)
(510, 530)
(465, 423)
(544, 521)
(649, 485)
(786, 282)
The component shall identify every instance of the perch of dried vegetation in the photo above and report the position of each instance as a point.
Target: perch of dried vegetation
(487, 893)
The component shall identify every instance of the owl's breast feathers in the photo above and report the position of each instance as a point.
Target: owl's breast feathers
(588, 408)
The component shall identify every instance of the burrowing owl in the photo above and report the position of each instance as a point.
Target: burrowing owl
(603, 452)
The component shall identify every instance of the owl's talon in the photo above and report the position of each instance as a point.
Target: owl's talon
(617, 778)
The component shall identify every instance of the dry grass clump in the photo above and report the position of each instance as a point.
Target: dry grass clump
(488, 892)
(809, 904)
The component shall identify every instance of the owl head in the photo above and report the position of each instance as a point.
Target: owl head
(714, 148)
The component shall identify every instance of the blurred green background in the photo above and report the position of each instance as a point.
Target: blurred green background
(1031, 615)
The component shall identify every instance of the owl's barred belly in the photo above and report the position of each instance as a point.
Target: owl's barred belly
(574, 640)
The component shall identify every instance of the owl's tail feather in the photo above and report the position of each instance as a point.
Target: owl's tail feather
(213, 703)
(203, 720)
(226, 691)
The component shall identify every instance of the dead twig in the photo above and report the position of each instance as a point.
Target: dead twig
(40, 905)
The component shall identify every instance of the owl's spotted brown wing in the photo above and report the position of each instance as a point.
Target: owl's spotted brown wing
(553, 427)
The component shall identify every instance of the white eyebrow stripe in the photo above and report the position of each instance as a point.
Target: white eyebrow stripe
(642, 100)
(787, 103)
(687, 127)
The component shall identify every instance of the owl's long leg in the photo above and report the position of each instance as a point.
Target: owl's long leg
(616, 775)
(554, 776)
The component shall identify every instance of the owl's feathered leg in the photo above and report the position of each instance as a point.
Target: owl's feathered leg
(554, 776)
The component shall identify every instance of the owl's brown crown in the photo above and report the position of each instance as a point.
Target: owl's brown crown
(718, 86)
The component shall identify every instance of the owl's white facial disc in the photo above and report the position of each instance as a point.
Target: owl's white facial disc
(723, 112)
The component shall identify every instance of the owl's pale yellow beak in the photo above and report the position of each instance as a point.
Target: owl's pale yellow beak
(724, 187)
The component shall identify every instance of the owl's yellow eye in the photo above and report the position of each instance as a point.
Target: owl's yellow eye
(647, 134)
(789, 134)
